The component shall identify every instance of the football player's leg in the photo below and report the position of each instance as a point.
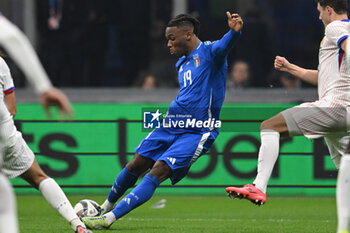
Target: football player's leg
(268, 154)
(269, 149)
(144, 191)
(343, 190)
(148, 151)
(126, 179)
(8, 215)
(139, 195)
(52, 193)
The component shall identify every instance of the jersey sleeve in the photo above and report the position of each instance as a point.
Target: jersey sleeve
(222, 47)
(5, 78)
(20, 50)
(336, 32)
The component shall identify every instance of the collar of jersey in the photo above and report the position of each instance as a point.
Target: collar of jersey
(345, 20)
(190, 55)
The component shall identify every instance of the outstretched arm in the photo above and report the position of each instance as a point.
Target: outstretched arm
(21, 51)
(310, 76)
(226, 43)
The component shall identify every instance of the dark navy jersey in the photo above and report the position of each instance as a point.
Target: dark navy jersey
(202, 79)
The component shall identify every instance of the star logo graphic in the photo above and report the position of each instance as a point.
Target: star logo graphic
(156, 115)
(151, 120)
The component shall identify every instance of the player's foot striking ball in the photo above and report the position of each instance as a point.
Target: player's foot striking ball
(98, 222)
(172, 148)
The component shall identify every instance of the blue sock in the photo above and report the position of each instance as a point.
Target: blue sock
(142, 193)
(124, 181)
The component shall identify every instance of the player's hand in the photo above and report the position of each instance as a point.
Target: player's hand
(55, 97)
(281, 64)
(235, 21)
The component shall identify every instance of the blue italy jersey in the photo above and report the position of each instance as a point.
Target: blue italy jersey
(202, 79)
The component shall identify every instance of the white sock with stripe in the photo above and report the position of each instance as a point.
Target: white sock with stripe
(58, 200)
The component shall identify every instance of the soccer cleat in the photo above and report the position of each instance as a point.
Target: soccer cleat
(81, 229)
(98, 222)
(344, 231)
(249, 192)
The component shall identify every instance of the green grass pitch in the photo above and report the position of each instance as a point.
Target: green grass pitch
(192, 214)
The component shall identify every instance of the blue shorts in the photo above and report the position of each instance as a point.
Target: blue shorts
(179, 151)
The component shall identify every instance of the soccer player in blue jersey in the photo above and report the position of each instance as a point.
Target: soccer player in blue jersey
(170, 150)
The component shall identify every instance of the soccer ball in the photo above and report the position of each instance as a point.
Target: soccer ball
(87, 208)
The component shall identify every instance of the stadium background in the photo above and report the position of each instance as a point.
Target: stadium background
(110, 51)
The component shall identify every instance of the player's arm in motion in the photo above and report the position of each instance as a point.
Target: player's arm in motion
(20, 160)
(223, 46)
(20, 50)
(307, 75)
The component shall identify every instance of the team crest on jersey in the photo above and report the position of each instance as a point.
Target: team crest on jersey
(207, 42)
(196, 60)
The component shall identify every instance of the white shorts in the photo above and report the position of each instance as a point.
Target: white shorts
(314, 121)
(18, 158)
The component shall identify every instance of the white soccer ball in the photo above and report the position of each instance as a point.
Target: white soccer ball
(87, 208)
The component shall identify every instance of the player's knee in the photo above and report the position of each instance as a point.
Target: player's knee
(266, 125)
(161, 171)
(134, 168)
(139, 164)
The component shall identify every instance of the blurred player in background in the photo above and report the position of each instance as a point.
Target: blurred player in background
(8, 212)
(19, 160)
(323, 118)
(169, 152)
(20, 50)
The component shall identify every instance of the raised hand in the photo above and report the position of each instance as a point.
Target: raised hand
(55, 97)
(235, 21)
(281, 63)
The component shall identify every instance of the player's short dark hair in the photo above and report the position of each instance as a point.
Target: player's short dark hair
(339, 6)
(185, 20)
